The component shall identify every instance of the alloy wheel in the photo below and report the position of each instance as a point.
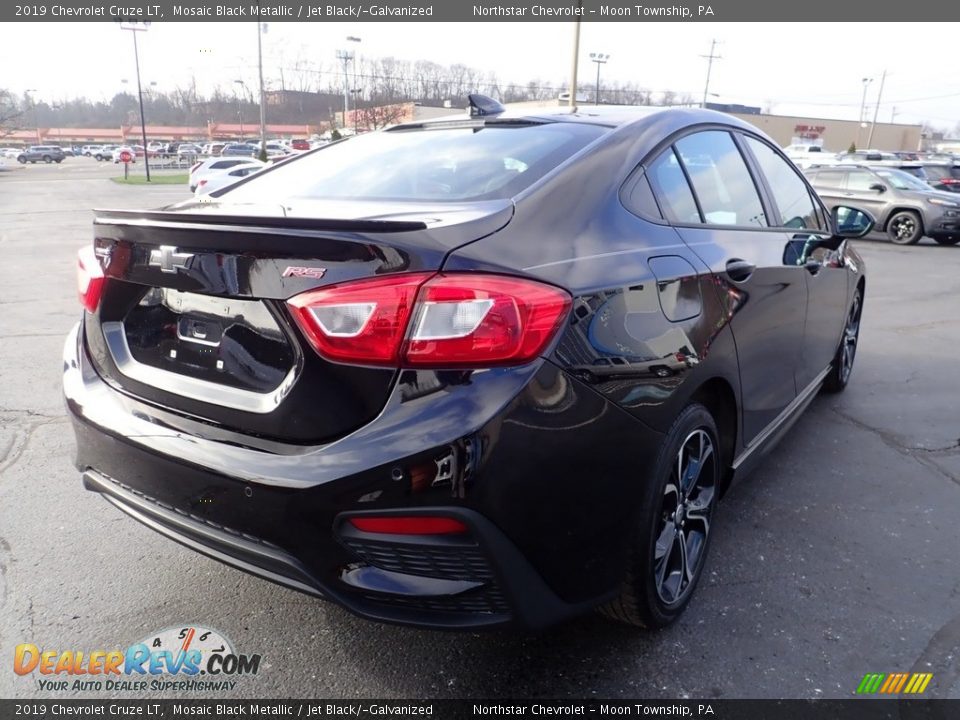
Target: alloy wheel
(851, 333)
(688, 501)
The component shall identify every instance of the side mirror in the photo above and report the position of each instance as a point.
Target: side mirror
(878, 187)
(849, 222)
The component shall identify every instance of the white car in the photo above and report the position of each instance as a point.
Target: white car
(803, 156)
(216, 165)
(10, 153)
(223, 178)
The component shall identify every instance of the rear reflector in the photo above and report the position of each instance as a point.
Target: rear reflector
(89, 278)
(462, 320)
(409, 525)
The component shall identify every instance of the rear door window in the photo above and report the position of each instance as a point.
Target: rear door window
(721, 181)
(795, 207)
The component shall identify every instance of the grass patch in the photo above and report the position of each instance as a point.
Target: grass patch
(178, 179)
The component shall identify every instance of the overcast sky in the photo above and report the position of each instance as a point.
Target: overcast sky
(812, 69)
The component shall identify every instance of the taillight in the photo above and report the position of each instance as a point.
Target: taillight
(424, 320)
(412, 525)
(89, 278)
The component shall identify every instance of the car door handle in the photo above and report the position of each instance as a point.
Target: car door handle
(739, 270)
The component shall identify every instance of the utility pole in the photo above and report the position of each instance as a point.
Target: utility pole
(345, 57)
(599, 59)
(876, 110)
(710, 58)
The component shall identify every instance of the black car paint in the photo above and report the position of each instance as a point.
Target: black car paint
(549, 461)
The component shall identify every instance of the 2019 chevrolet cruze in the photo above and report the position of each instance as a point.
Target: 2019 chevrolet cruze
(488, 370)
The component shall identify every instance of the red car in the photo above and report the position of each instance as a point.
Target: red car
(299, 145)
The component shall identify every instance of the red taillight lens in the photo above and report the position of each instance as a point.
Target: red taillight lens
(409, 525)
(482, 320)
(359, 322)
(89, 278)
(441, 321)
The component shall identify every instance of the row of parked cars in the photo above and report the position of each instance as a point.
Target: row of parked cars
(910, 194)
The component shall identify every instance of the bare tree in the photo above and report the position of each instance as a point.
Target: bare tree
(10, 111)
(378, 116)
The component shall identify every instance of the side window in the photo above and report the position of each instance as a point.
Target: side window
(790, 192)
(720, 179)
(860, 181)
(637, 197)
(672, 189)
(831, 179)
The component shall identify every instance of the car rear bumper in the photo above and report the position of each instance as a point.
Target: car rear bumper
(281, 512)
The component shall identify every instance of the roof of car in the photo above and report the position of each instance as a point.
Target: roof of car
(605, 115)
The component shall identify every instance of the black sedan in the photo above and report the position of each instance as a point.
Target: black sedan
(489, 370)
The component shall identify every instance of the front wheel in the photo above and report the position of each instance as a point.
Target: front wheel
(947, 240)
(22, 160)
(47, 159)
(847, 352)
(673, 533)
(905, 228)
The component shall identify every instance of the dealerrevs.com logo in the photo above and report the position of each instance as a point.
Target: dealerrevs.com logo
(178, 658)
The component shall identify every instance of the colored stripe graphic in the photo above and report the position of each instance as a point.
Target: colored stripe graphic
(870, 683)
(894, 683)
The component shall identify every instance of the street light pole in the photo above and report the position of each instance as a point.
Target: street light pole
(599, 59)
(863, 104)
(572, 101)
(876, 110)
(263, 97)
(134, 28)
(239, 108)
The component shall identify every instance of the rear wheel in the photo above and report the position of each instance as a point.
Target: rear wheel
(905, 228)
(22, 160)
(947, 240)
(671, 542)
(847, 352)
(47, 159)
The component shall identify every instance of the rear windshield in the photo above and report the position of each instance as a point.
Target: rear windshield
(455, 164)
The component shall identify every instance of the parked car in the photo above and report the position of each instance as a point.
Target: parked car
(41, 153)
(354, 372)
(860, 157)
(804, 155)
(299, 144)
(275, 149)
(220, 179)
(215, 165)
(104, 152)
(10, 153)
(89, 150)
(905, 207)
(188, 150)
(942, 175)
(240, 150)
(136, 151)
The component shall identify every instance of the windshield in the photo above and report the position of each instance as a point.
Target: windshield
(902, 180)
(480, 162)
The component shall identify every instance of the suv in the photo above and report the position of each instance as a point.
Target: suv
(905, 207)
(38, 153)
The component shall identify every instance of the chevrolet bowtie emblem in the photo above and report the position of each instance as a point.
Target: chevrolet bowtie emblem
(168, 259)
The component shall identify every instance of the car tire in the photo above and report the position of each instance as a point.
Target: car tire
(842, 364)
(47, 159)
(673, 520)
(58, 161)
(905, 228)
(22, 160)
(947, 240)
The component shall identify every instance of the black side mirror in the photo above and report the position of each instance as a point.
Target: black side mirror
(850, 222)
(878, 187)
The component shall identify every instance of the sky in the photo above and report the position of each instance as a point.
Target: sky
(814, 69)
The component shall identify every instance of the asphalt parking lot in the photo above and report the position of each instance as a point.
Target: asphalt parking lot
(840, 556)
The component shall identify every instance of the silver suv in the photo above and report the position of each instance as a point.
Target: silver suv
(905, 207)
(41, 153)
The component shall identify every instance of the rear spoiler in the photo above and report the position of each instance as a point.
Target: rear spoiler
(250, 222)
